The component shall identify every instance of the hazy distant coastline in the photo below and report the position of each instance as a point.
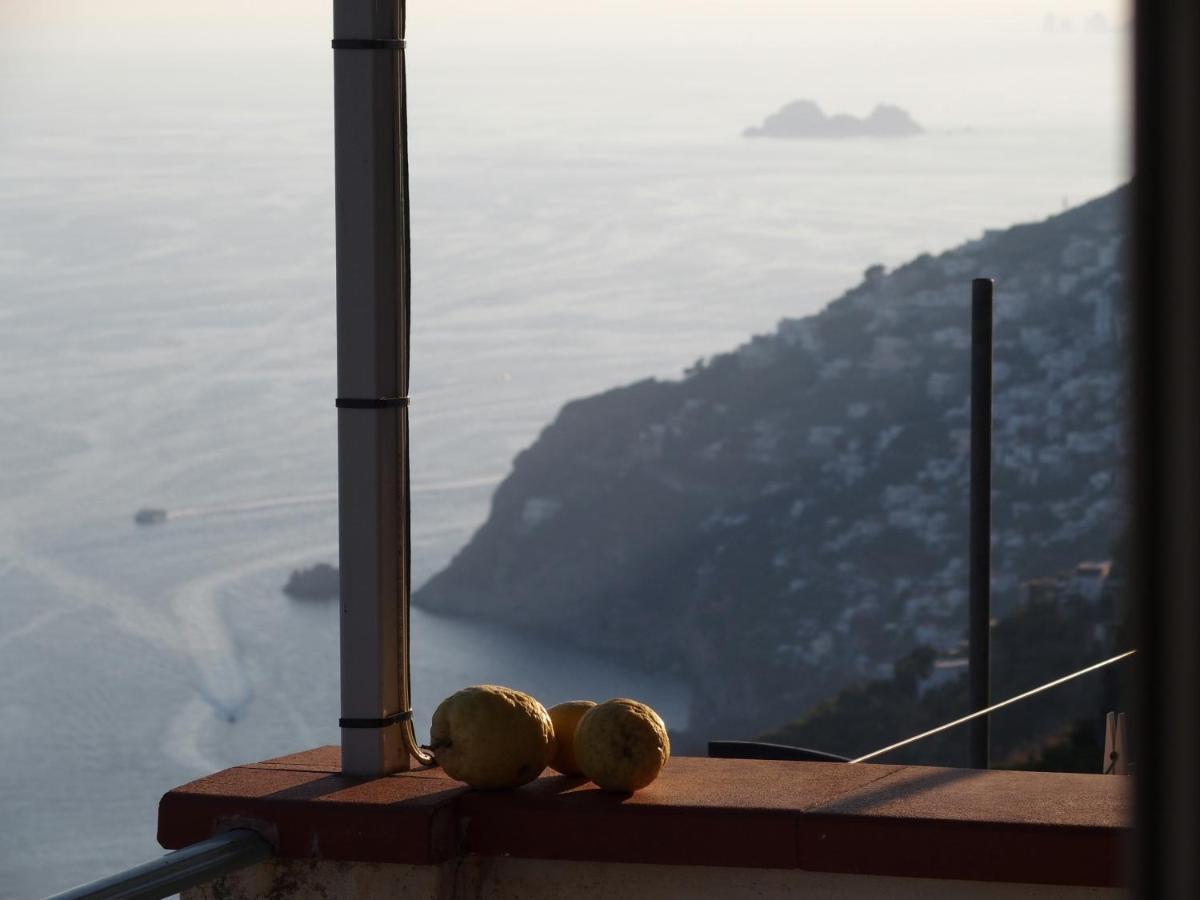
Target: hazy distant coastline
(805, 119)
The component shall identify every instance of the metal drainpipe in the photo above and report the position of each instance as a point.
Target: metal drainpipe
(372, 373)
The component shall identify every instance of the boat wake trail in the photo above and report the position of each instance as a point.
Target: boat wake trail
(431, 487)
(193, 512)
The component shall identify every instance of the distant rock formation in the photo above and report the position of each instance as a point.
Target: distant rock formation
(321, 582)
(804, 119)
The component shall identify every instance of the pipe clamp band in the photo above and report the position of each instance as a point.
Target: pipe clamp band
(367, 44)
(393, 719)
(370, 402)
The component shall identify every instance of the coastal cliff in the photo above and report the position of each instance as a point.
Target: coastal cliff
(791, 516)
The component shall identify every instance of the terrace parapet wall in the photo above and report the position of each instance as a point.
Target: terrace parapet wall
(707, 827)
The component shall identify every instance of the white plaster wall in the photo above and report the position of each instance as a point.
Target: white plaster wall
(504, 878)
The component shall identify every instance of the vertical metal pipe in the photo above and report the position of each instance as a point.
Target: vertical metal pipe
(372, 347)
(980, 550)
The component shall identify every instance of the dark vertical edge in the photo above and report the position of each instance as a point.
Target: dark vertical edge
(1164, 590)
(980, 548)
(1143, 295)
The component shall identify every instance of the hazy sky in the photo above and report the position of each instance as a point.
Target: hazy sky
(98, 10)
(850, 53)
(629, 15)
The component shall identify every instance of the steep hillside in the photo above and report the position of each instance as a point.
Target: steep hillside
(791, 516)
(1060, 626)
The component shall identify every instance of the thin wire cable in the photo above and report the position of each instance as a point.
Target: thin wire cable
(408, 730)
(995, 706)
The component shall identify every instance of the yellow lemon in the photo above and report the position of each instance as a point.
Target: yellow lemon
(566, 718)
(622, 745)
(492, 737)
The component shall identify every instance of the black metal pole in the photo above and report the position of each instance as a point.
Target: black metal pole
(980, 664)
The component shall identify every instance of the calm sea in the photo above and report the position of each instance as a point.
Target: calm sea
(167, 339)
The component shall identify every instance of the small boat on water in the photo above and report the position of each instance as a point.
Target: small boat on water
(150, 516)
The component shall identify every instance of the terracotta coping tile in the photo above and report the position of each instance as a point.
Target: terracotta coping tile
(699, 812)
(1038, 827)
(401, 818)
(866, 819)
(320, 759)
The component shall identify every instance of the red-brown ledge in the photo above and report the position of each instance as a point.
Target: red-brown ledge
(1033, 827)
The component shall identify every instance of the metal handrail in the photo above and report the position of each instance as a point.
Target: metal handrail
(179, 870)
